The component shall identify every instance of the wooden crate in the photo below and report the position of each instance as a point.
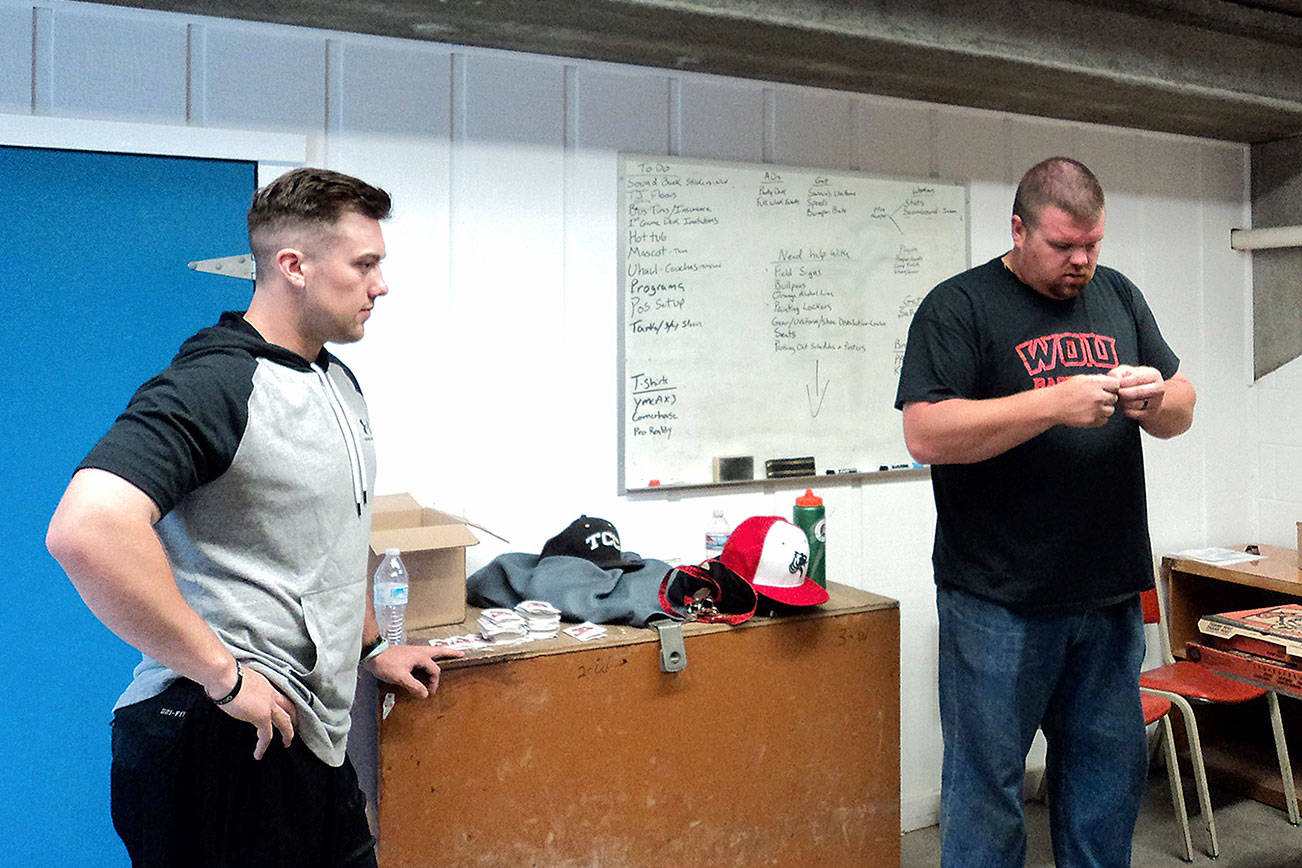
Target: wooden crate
(777, 745)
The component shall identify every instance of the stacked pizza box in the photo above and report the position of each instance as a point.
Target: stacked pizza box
(1260, 645)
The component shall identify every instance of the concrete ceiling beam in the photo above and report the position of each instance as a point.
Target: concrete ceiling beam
(1210, 68)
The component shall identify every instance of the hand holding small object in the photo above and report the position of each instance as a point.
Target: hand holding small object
(1141, 389)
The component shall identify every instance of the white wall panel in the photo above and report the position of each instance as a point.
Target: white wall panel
(895, 528)
(1172, 250)
(811, 128)
(1278, 519)
(611, 110)
(970, 146)
(1031, 140)
(621, 110)
(513, 98)
(1224, 411)
(1172, 233)
(1267, 471)
(721, 119)
(892, 137)
(126, 67)
(1287, 376)
(16, 59)
(261, 77)
(1172, 243)
(1278, 412)
(398, 88)
(1289, 483)
(507, 273)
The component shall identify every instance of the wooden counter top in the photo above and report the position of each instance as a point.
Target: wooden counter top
(1275, 570)
(842, 600)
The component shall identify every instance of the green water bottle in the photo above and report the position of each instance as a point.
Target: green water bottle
(808, 516)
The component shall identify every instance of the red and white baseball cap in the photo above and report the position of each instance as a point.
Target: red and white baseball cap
(772, 554)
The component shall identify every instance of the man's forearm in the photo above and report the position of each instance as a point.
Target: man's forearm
(1176, 413)
(963, 431)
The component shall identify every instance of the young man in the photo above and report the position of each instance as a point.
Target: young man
(221, 528)
(1025, 384)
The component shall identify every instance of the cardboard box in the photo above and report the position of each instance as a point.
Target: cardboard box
(1248, 668)
(433, 546)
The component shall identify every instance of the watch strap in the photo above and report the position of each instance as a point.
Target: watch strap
(374, 649)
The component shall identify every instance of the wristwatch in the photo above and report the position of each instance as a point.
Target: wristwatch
(373, 649)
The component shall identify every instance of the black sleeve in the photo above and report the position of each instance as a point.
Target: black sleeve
(1153, 348)
(181, 428)
(942, 355)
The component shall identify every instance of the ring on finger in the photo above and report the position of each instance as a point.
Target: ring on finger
(1144, 406)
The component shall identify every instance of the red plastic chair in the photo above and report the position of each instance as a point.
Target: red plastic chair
(1180, 681)
(1159, 708)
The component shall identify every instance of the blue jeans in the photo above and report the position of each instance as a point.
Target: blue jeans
(1003, 674)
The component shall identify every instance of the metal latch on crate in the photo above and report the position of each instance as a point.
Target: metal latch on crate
(673, 653)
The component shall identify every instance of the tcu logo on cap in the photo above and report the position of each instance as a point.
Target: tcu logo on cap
(799, 563)
(602, 538)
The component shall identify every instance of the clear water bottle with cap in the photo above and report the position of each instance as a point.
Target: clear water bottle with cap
(716, 535)
(391, 597)
(809, 517)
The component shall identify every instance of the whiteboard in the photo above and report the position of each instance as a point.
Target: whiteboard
(764, 311)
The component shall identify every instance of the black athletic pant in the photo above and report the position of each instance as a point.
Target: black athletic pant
(186, 790)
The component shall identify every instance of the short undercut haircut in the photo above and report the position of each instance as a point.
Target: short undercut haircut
(1063, 183)
(311, 199)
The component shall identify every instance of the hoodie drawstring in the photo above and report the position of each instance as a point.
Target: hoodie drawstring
(351, 444)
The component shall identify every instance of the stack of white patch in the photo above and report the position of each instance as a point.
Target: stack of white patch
(468, 642)
(542, 619)
(503, 627)
(586, 632)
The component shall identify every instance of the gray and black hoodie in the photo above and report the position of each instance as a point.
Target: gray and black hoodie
(261, 463)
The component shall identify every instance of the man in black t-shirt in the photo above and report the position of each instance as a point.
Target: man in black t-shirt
(1025, 384)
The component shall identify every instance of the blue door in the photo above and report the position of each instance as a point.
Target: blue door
(96, 299)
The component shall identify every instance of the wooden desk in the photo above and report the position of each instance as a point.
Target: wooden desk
(1237, 745)
(777, 745)
(1199, 589)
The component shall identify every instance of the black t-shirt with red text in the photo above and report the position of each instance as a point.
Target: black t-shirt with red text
(1061, 520)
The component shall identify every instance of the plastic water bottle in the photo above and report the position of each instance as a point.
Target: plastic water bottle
(809, 517)
(391, 597)
(716, 535)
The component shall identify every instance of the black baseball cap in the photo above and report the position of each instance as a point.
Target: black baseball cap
(593, 539)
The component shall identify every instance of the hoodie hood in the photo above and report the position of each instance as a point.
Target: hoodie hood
(233, 331)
